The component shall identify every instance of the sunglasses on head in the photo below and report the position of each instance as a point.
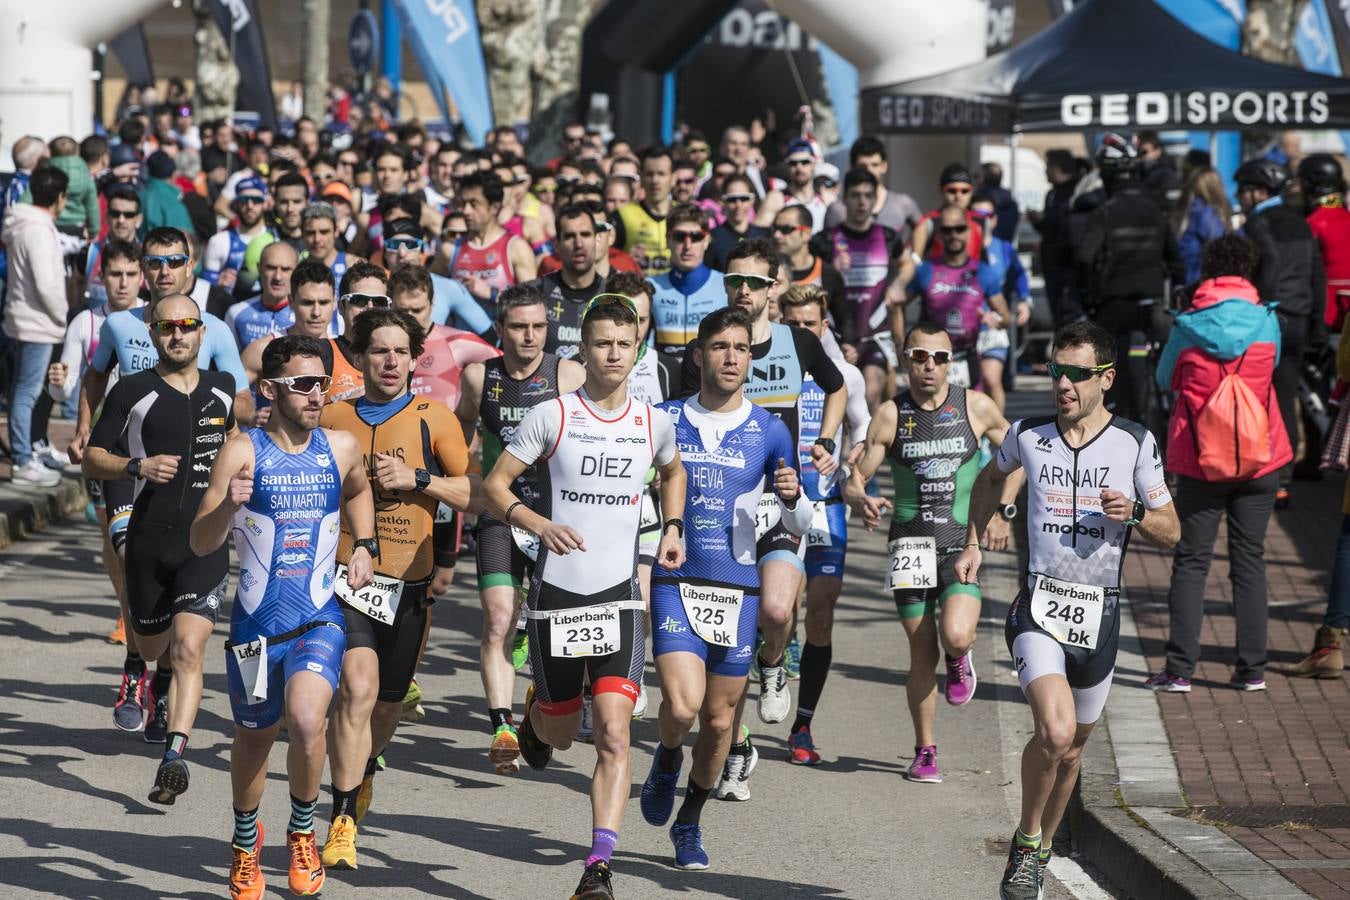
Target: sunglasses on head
(122, 214)
(788, 229)
(404, 243)
(155, 263)
(921, 355)
(304, 384)
(954, 229)
(737, 198)
(754, 282)
(687, 237)
(608, 299)
(167, 326)
(1075, 374)
(361, 301)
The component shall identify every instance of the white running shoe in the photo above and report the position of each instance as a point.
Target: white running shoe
(640, 707)
(774, 700)
(35, 474)
(735, 781)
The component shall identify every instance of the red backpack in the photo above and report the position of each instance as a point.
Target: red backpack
(1232, 430)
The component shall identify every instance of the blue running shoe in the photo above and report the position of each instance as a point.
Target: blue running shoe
(658, 793)
(792, 659)
(688, 840)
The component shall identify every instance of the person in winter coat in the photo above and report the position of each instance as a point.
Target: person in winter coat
(1226, 331)
(35, 311)
(161, 200)
(1202, 216)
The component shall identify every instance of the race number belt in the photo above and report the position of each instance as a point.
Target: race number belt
(767, 514)
(251, 658)
(819, 533)
(378, 600)
(913, 564)
(992, 339)
(584, 631)
(1070, 612)
(527, 541)
(713, 612)
(958, 373)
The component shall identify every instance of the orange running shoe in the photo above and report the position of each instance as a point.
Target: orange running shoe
(119, 633)
(306, 867)
(246, 878)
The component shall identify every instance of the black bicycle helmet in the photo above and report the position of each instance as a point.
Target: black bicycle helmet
(1262, 173)
(1116, 155)
(1320, 175)
(956, 173)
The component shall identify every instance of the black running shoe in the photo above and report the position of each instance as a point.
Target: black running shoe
(170, 781)
(594, 884)
(157, 726)
(129, 710)
(532, 749)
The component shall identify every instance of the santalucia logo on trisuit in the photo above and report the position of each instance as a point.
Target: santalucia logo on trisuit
(581, 617)
(600, 499)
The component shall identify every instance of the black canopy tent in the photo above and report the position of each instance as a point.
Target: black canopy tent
(1110, 64)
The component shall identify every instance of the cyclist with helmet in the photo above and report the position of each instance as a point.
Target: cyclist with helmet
(1324, 188)
(958, 189)
(1125, 251)
(1290, 273)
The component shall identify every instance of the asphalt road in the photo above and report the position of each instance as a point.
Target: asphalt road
(443, 824)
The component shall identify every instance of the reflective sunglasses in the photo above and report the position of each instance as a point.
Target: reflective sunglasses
(754, 282)
(954, 229)
(921, 355)
(404, 243)
(361, 301)
(167, 326)
(788, 229)
(687, 237)
(1075, 374)
(304, 384)
(155, 263)
(737, 198)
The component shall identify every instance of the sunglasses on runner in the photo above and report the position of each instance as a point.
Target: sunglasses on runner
(1076, 374)
(167, 326)
(687, 237)
(697, 148)
(252, 199)
(921, 355)
(404, 243)
(788, 229)
(754, 282)
(155, 263)
(954, 229)
(451, 234)
(304, 384)
(737, 198)
(361, 301)
(122, 214)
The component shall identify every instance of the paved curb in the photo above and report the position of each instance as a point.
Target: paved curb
(24, 511)
(1121, 813)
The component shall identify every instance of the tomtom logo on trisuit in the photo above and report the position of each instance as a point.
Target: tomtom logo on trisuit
(601, 499)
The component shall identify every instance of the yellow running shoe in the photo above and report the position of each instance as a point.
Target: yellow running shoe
(364, 796)
(505, 751)
(306, 869)
(119, 633)
(246, 878)
(339, 851)
(412, 704)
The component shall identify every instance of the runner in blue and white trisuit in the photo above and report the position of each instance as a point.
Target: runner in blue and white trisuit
(805, 306)
(283, 492)
(704, 613)
(1092, 479)
(269, 312)
(223, 257)
(593, 448)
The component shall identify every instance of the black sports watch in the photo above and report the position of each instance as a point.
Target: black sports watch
(1137, 515)
(370, 545)
(1008, 511)
(827, 443)
(423, 479)
(678, 524)
(134, 467)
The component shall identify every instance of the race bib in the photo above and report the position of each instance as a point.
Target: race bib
(589, 631)
(767, 515)
(958, 373)
(378, 600)
(528, 542)
(913, 564)
(251, 658)
(713, 612)
(1070, 612)
(991, 339)
(819, 535)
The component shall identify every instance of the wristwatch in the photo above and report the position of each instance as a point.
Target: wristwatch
(134, 467)
(1008, 511)
(827, 443)
(678, 524)
(370, 545)
(423, 479)
(1137, 515)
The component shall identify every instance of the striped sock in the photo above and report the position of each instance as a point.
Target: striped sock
(302, 815)
(246, 829)
(177, 744)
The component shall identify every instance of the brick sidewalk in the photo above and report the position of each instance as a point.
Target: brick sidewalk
(1289, 747)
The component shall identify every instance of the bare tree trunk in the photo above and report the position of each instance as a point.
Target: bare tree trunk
(1269, 30)
(558, 80)
(314, 57)
(513, 47)
(217, 77)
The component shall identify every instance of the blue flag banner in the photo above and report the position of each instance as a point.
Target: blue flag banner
(1316, 45)
(451, 56)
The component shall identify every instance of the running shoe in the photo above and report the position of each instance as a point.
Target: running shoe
(594, 884)
(505, 751)
(246, 878)
(306, 874)
(118, 635)
(586, 730)
(534, 751)
(129, 710)
(658, 793)
(924, 768)
(774, 700)
(1022, 875)
(170, 781)
(961, 680)
(412, 704)
(792, 659)
(1165, 682)
(688, 840)
(34, 474)
(640, 705)
(802, 749)
(735, 781)
(1248, 683)
(364, 796)
(520, 649)
(1043, 860)
(339, 850)
(157, 725)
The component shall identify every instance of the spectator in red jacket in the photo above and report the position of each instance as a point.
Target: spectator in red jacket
(1227, 330)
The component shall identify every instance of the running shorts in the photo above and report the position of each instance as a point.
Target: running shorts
(827, 547)
(446, 536)
(500, 561)
(1035, 653)
(911, 604)
(398, 646)
(877, 350)
(318, 648)
(558, 680)
(672, 631)
(165, 578)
